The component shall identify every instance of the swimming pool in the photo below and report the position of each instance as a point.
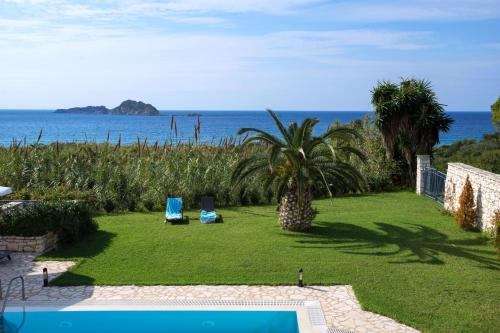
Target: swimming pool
(151, 321)
(160, 318)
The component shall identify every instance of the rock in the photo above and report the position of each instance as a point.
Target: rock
(128, 107)
(85, 110)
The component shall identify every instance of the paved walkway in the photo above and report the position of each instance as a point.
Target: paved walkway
(339, 303)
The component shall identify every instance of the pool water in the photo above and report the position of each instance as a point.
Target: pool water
(150, 322)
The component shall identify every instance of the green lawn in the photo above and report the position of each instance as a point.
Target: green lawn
(404, 258)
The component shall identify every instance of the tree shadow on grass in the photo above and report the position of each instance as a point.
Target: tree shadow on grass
(70, 278)
(88, 247)
(420, 244)
(246, 211)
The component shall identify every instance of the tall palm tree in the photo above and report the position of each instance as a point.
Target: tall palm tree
(298, 164)
(410, 118)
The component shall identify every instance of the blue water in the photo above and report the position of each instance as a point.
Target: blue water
(16, 124)
(152, 322)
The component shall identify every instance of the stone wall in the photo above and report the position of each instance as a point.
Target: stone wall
(29, 244)
(486, 186)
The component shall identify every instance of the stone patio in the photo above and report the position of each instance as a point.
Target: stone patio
(339, 303)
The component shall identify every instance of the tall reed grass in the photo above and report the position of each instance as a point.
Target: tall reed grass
(115, 176)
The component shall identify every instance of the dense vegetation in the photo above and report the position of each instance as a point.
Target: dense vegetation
(483, 154)
(140, 176)
(126, 177)
(69, 220)
(495, 113)
(403, 257)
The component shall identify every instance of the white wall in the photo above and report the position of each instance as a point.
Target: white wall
(486, 186)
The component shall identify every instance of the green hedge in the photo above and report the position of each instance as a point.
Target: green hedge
(68, 219)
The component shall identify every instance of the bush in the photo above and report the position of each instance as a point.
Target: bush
(466, 215)
(379, 173)
(483, 154)
(149, 204)
(109, 205)
(70, 220)
(496, 224)
(131, 205)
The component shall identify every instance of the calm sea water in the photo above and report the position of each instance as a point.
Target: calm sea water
(20, 124)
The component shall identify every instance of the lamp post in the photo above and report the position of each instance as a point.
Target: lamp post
(301, 278)
(45, 277)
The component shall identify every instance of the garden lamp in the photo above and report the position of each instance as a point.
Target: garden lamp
(45, 277)
(301, 277)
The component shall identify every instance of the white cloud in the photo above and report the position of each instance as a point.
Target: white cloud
(214, 71)
(170, 69)
(166, 9)
(239, 6)
(19, 23)
(78, 53)
(417, 10)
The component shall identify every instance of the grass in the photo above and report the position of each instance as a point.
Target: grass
(403, 256)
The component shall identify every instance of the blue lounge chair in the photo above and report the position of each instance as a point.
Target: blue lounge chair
(208, 214)
(174, 212)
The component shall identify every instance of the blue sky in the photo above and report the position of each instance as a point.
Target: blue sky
(242, 54)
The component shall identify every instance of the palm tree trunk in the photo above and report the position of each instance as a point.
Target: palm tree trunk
(292, 216)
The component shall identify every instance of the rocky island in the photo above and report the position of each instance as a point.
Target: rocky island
(128, 108)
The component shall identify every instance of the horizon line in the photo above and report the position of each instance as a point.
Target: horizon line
(244, 110)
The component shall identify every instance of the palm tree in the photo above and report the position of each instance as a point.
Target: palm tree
(410, 118)
(297, 165)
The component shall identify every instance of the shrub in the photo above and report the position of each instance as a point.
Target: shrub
(70, 220)
(496, 224)
(131, 205)
(466, 214)
(149, 204)
(109, 205)
(483, 154)
(378, 172)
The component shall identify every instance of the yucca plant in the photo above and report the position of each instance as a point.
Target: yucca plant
(298, 164)
(410, 118)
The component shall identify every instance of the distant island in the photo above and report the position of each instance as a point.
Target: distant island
(128, 108)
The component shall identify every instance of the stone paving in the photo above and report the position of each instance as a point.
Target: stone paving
(339, 303)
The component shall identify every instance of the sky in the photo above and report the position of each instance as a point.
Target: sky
(245, 54)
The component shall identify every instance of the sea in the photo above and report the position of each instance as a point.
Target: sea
(26, 125)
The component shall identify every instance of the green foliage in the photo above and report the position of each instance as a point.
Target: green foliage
(496, 224)
(495, 113)
(140, 176)
(466, 215)
(483, 154)
(377, 170)
(410, 118)
(121, 177)
(69, 220)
